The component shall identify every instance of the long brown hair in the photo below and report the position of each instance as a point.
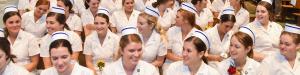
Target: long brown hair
(190, 17)
(269, 8)
(246, 41)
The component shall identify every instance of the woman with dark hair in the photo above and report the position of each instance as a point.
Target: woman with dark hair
(34, 21)
(112, 5)
(267, 31)
(194, 60)
(220, 36)
(241, 14)
(73, 21)
(7, 66)
(56, 21)
(61, 56)
(131, 51)
(241, 52)
(204, 16)
(185, 25)
(23, 44)
(101, 44)
(287, 60)
(166, 14)
(87, 17)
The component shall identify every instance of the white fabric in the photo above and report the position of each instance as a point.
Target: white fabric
(74, 22)
(117, 68)
(278, 65)
(250, 68)
(218, 46)
(266, 40)
(204, 18)
(24, 47)
(78, 6)
(152, 11)
(203, 36)
(228, 10)
(130, 29)
(269, 1)
(189, 7)
(59, 35)
(140, 5)
(242, 19)
(218, 5)
(292, 28)
(167, 19)
(10, 8)
(112, 5)
(179, 68)
(56, 9)
(248, 31)
(77, 70)
(87, 17)
(37, 28)
(74, 39)
(120, 20)
(93, 47)
(153, 47)
(13, 69)
(103, 10)
(26, 4)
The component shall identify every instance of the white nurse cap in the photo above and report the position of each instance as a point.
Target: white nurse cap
(201, 35)
(129, 30)
(152, 11)
(292, 28)
(1, 32)
(59, 35)
(103, 10)
(248, 31)
(228, 10)
(57, 9)
(10, 8)
(269, 1)
(189, 7)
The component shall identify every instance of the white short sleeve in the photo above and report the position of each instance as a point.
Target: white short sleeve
(76, 42)
(34, 48)
(88, 46)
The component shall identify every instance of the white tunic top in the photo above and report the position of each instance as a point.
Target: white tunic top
(204, 18)
(112, 5)
(266, 40)
(13, 69)
(278, 65)
(119, 19)
(26, 4)
(153, 48)
(74, 39)
(24, 47)
(242, 19)
(140, 5)
(37, 28)
(250, 68)
(77, 70)
(93, 47)
(167, 19)
(78, 5)
(219, 5)
(178, 68)
(87, 17)
(142, 68)
(74, 22)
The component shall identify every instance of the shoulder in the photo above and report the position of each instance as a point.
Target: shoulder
(49, 71)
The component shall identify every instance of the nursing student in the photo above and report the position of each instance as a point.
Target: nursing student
(204, 16)
(56, 21)
(184, 26)
(34, 21)
(220, 36)
(287, 60)
(87, 17)
(153, 36)
(266, 30)
(194, 60)
(167, 15)
(112, 5)
(61, 56)
(23, 44)
(26, 5)
(7, 65)
(131, 51)
(241, 14)
(101, 45)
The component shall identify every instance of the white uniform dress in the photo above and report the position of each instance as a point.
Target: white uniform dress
(93, 47)
(119, 19)
(111, 5)
(167, 19)
(140, 5)
(78, 6)
(266, 40)
(74, 39)
(154, 47)
(87, 17)
(26, 4)
(250, 68)
(242, 19)
(175, 42)
(37, 28)
(24, 47)
(13, 69)
(218, 46)
(117, 68)
(77, 70)
(179, 68)
(278, 65)
(219, 5)
(74, 22)
(204, 18)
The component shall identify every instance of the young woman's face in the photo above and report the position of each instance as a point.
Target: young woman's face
(40, 10)
(234, 3)
(262, 14)
(3, 60)
(61, 58)
(179, 19)
(94, 4)
(287, 46)
(13, 24)
(132, 53)
(226, 26)
(202, 4)
(237, 50)
(128, 5)
(61, 4)
(190, 54)
(143, 26)
(101, 25)
(53, 25)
